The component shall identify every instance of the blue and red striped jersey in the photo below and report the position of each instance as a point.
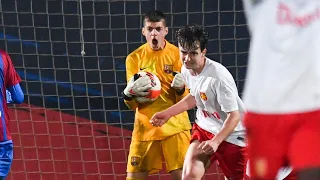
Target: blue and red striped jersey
(8, 78)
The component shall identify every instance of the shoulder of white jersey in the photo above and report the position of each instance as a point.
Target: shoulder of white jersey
(222, 74)
(218, 69)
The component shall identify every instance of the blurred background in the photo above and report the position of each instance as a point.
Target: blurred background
(73, 123)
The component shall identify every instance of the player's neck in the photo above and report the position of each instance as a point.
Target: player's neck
(197, 70)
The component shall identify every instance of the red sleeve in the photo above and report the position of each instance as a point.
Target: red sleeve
(10, 75)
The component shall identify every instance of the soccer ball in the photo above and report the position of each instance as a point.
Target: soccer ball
(154, 92)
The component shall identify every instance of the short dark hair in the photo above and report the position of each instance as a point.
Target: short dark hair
(154, 16)
(190, 35)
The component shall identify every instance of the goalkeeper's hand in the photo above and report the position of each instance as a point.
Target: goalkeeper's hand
(178, 83)
(137, 87)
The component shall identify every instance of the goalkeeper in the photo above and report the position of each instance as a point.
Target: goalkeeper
(149, 144)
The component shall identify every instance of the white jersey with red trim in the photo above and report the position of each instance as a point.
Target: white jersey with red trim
(216, 94)
(283, 74)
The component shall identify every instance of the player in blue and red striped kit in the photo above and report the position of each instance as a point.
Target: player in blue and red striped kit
(9, 80)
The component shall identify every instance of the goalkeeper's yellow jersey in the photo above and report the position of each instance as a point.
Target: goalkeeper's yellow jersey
(161, 63)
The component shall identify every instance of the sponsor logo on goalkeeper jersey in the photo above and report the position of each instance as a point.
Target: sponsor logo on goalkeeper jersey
(150, 67)
(286, 16)
(168, 68)
(135, 160)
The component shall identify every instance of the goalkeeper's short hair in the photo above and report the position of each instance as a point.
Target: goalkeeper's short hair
(155, 16)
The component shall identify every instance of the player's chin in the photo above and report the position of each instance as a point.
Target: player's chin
(155, 47)
(187, 66)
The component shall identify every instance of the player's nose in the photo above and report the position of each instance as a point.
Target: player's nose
(154, 32)
(186, 58)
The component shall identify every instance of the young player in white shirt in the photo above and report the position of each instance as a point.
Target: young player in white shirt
(218, 134)
(282, 89)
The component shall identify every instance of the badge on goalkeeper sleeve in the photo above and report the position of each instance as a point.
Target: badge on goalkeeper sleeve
(178, 83)
(137, 86)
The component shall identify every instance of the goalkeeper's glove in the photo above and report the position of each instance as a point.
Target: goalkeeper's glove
(178, 83)
(137, 86)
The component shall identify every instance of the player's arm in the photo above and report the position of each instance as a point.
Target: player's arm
(188, 102)
(15, 94)
(135, 86)
(227, 98)
(228, 126)
(12, 80)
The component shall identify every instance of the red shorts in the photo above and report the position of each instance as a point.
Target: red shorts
(291, 176)
(278, 140)
(231, 158)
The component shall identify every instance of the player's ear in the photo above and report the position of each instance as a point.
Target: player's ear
(204, 51)
(143, 31)
(167, 30)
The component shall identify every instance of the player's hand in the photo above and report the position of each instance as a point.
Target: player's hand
(159, 119)
(139, 87)
(208, 147)
(178, 81)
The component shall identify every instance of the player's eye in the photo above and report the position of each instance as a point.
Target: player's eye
(150, 29)
(158, 29)
(183, 52)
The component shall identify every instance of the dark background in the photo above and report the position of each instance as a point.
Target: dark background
(43, 40)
